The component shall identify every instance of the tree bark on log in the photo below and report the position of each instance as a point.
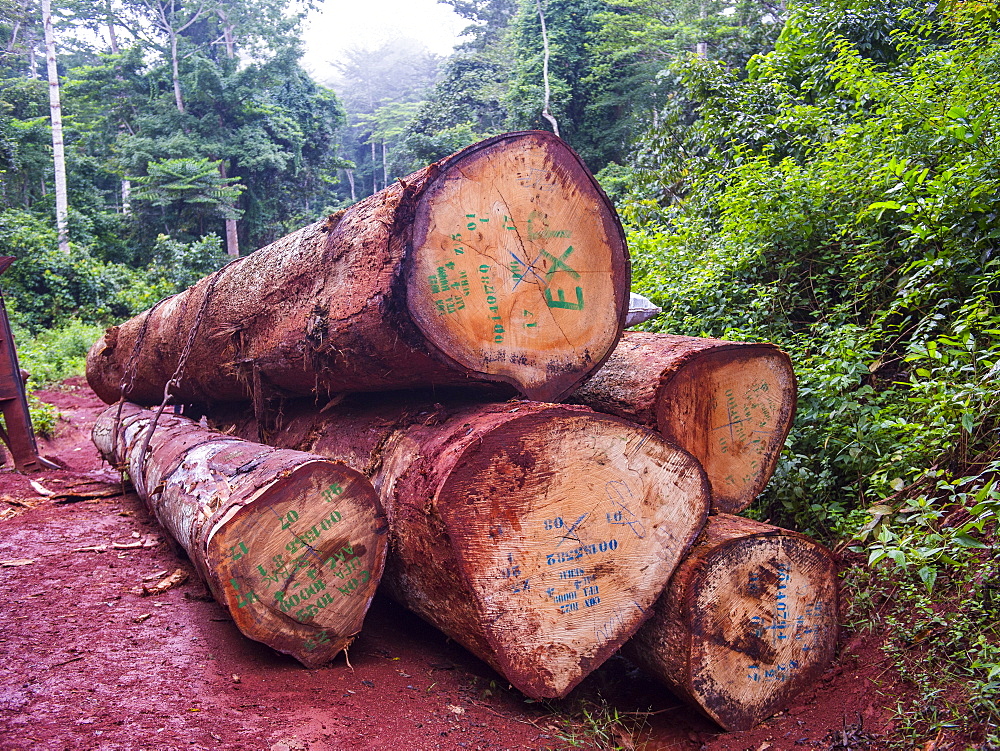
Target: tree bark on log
(292, 544)
(502, 263)
(730, 404)
(748, 621)
(536, 535)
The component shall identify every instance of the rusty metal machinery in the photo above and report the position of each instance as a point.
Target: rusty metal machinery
(16, 431)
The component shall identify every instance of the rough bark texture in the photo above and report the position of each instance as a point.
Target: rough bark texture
(730, 404)
(291, 543)
(504, 263)
(748, 621)
(538, 536)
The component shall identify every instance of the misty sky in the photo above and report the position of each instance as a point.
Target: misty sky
(341, 24)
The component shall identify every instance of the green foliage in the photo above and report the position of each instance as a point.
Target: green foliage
(185, 88)
(596, 726)
(841, 199)
(419, 148)
(583, 123)
(186, 192)
(466, 103)
(636, 42)
(383, 91)
(45, 285)
(930, 589)
(177, 265)
(55, 354)
(43, 415)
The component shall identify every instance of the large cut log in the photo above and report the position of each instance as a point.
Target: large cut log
(292, 544)
(748, 621)
(536, 535)
(503, 263)
(730, 404)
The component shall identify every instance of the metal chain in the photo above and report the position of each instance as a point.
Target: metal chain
(175, 379)
(129, 373)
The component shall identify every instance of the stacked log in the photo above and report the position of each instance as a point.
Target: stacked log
(540, 536)
(730, 404)
(503, 263)
(292, 544)
(748, 620)
(536, 535)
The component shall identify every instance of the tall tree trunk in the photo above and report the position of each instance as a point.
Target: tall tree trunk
(731, 404)
(290, 543)
(374, 171)
(232, 236)
(701, 49)
(126, 196)
(232, 239)
(749, 620)
(536, 535)
(502, 263)
(14, 31)
(228, 38)
(110, 23)
(55, 110)
(232, 231)
(32, 62)
(545, 70)
(350, 181)
(175, 71)
(385, 167)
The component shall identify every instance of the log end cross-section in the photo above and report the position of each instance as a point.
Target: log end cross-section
(550, 536)
(731, 404)
(292, 544)
(748, 621)
(519, 270)
(732, 407)
(297, 567)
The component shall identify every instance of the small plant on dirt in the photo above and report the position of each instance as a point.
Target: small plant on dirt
(931, 588)
(597, 727)
(43, 416)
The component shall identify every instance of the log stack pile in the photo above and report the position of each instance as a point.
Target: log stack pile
(541, 536)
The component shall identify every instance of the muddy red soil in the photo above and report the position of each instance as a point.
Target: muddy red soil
(89, 662)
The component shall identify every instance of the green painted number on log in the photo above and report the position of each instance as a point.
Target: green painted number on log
(288, 519)
(331, 492)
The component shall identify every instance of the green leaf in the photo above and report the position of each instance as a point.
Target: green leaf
(964, 540)
(928, 575)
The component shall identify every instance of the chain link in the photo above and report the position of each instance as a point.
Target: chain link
(174, 380)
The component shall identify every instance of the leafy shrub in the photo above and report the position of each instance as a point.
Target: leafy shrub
(45, 285)
(177, 265)
(56, 354)
(843, 201)
(43, 416)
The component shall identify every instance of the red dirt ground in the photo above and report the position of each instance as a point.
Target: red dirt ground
(87, 662)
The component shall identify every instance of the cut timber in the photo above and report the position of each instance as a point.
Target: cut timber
(292, 544)
(504, 263)
(748, 621)
(536, 535)
(730, 404)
